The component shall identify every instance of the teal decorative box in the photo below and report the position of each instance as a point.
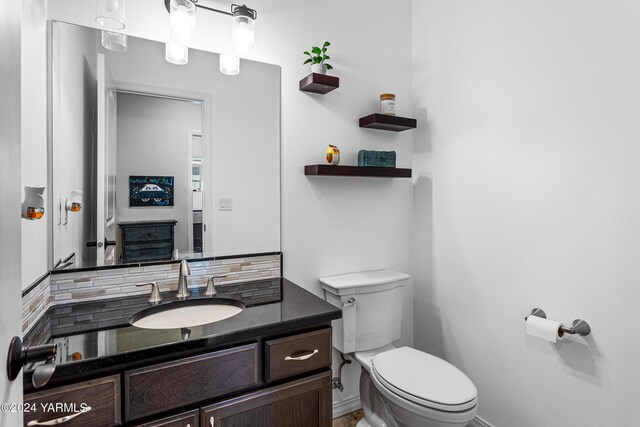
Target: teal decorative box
(377, 158)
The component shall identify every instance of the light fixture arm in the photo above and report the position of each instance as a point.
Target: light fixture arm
(235, 9)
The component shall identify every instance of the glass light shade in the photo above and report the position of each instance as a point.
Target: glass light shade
(115, 42)
(182, 21)
(243, 30)
(110, 14)
(229, 64)
(176, 53)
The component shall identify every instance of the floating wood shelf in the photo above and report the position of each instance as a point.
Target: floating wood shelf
(387, 122)
(319, 83)
(368, 171)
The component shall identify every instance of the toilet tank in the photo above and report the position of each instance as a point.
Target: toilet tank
(371, 303)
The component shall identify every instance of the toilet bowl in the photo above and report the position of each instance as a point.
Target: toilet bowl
(406, 387)
(399, 387)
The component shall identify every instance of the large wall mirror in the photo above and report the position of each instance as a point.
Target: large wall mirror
(151, 160)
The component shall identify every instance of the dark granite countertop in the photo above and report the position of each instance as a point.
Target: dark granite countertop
(95, 338)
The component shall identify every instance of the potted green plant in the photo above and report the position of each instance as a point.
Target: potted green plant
(317, 59)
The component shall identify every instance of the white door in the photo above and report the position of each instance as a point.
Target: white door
(105, 163)
(10, 194)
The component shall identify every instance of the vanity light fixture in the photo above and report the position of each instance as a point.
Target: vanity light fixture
(182, 24)
(243, 28)
(182, 21)
(176, 53)
(33, 204)
(110, 14)
(229, 64)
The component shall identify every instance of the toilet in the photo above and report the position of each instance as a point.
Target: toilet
(399, 386)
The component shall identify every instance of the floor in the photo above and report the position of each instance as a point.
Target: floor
(349, 420)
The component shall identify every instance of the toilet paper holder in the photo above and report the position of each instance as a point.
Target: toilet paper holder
(578, 326)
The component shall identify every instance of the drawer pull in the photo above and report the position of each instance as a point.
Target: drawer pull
(303, 357)
(60, 420)
(212, 421)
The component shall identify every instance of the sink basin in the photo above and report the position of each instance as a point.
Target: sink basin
(187, 313)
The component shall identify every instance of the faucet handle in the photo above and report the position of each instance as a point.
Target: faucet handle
(155, 297)
(184, 268)
(211, 289)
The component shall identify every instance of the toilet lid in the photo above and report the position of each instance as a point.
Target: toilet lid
(424, 379)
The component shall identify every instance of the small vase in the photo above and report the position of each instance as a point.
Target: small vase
(333, 155)
(319, 68)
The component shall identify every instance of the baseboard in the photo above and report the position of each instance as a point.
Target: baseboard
(479, 422)
(345, 406)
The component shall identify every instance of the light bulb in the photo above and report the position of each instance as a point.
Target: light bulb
(242, 34)
(176, 53)
(182, 21)
(229, 64)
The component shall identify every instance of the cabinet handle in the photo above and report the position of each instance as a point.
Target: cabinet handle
(303, 357)
(60, 420)
(212, 421)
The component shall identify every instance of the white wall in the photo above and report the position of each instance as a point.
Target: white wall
(528, 197)
(153, 139)
(329, 225)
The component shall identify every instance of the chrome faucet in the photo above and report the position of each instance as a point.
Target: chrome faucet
(183, 275)
(211, 288)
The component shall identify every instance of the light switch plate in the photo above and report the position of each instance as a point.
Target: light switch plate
(225, 204)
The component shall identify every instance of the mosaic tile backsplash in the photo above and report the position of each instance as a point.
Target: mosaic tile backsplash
(82, 286)
(35, 303)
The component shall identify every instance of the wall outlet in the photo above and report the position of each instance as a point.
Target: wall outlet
(225, 204)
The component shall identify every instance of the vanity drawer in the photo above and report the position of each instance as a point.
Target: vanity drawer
(101, 395)
(147, 233)
(170, 385)
(289, 356)
(148, 251)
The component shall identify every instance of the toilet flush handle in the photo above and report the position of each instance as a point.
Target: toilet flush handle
(350, 302)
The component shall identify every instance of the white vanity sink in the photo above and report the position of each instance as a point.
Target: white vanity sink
(185, 314)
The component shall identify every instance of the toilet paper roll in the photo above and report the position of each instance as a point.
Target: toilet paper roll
(545, 329)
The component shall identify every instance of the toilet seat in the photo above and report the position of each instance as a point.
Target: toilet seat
(424, 379)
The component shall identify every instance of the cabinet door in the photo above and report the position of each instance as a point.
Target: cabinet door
(301, 403)
(187, 419)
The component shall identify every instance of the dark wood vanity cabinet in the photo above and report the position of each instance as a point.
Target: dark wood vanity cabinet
(279, 381)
